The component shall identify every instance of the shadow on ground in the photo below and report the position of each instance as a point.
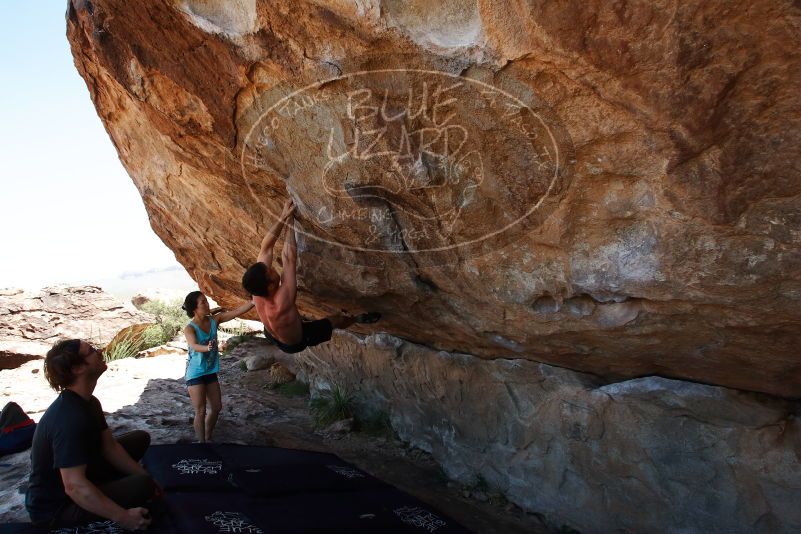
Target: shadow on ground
(255, 415)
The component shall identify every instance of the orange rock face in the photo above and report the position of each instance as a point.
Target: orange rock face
(611, 187)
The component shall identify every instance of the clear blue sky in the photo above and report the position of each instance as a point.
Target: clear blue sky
(70, 212)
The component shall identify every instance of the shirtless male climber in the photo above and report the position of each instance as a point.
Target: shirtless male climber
(274, 295)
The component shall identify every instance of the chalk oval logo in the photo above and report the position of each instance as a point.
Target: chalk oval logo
(407, 161)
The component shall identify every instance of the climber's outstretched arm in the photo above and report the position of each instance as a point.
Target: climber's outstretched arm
(289, 260)
(268, 243)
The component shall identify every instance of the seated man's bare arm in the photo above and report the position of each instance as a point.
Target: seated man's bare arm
(86, 495)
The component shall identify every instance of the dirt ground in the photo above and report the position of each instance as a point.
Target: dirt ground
(149, 394)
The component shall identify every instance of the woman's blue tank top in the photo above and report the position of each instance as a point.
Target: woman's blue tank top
(203, 363)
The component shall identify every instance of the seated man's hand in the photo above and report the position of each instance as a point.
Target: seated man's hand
(159, 490)
(135, 519)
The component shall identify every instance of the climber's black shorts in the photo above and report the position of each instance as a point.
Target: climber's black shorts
(314, 333)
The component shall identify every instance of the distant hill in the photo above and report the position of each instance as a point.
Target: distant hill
(172, 282)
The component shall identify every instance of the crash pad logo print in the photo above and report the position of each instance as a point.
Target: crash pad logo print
(419, 517)
(409, 160)
(100, 527)
(199, 466)
(347, 472)
(233, 522)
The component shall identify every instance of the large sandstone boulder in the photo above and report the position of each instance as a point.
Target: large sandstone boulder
(643, 455)
(611, 187)
(31, 321)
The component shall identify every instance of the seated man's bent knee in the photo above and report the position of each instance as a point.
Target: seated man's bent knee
(135, 443)
(130, 491)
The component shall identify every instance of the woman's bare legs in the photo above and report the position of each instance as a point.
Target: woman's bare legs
(197, 394)
(214, 396)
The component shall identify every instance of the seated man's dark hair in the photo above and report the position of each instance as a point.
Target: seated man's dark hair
(190, 303)
(59, 362)
(255, 280)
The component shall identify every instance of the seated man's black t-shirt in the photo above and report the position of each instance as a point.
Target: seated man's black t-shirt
(68, 435)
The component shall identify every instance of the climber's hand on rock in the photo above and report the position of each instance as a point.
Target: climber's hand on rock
(288, 209)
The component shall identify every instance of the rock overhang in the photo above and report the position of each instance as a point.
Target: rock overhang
(669, 245)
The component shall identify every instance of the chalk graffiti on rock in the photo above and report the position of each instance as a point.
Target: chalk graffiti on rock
(425, 159)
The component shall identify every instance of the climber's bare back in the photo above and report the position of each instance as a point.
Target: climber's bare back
(280, 316)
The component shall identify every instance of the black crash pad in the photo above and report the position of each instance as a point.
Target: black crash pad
(187, 467)
(213, 488)
(277, 480)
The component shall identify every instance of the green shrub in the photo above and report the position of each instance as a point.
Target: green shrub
(233, 342)
(95, 338)
(170, 321)
(376, 424)
(296, 388)
(493, 495)
(441, 475)
(497, 498)
(331, 406)
(153, 336)
(235, 328)
(127, 347)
